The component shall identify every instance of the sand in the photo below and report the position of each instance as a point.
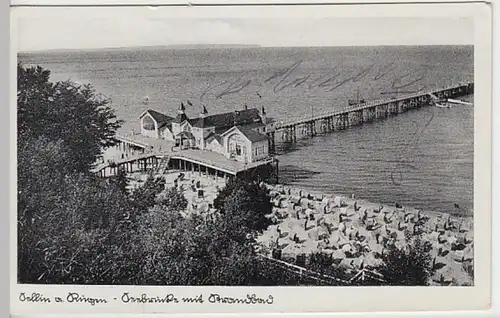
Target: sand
(354, 232)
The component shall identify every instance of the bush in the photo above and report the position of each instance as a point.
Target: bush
(173, 199)
(245, 204)
(408, 266)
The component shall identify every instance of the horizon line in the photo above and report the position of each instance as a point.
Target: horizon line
(194, 46)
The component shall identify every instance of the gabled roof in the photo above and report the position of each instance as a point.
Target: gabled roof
(250, 134)
(167, 126)
(200, 123)
(161, 119)
(211, 136)
(241, 117)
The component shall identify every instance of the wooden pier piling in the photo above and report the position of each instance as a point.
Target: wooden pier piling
(359, 114)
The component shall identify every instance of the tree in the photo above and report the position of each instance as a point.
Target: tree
(41, 169)
(33, 92)
(121, 180)
(65, 242)
(145, 196)
(245, 204)
(66, 111)
(408, 266)
(173, 199)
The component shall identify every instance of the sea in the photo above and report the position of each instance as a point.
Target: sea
(422, 158)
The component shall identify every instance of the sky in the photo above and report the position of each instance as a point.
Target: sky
(74, 30)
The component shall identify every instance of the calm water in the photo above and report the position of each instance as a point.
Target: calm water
(422, 158)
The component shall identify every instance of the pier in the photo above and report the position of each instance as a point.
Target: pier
(154, 159)
(140, 153)
(343, 118)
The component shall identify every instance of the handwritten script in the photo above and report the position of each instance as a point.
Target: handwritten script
(144, 298)
(291, 77)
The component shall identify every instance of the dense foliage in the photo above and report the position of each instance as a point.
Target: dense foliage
(323, 263)
(246, 203)
(65, 111)
(408, 266)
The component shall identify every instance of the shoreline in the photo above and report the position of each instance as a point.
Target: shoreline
(469, 214)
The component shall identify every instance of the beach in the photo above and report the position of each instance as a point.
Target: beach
(355, 232)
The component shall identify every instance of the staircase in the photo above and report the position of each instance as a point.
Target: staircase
(162, 166)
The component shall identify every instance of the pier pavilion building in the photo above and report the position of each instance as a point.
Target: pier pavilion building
(239, 135)
(227, 144)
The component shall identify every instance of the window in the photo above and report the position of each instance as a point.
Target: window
(148, 123)
(238, 150)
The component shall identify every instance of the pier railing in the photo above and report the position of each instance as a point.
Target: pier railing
(127, 159)
(361, 106)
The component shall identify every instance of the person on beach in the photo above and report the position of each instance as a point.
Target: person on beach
(364, 218)
(387, 220)
(356, 207)
(311, 216)
(342, 228)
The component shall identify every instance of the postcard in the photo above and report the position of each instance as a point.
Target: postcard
(251, 159)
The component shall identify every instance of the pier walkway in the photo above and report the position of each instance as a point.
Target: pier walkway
(339, 119)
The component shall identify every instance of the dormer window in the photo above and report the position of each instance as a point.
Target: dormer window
(148, 123)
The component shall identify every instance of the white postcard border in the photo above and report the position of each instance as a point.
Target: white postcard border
(304, 299)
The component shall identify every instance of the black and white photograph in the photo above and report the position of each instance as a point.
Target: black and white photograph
(232, 151)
